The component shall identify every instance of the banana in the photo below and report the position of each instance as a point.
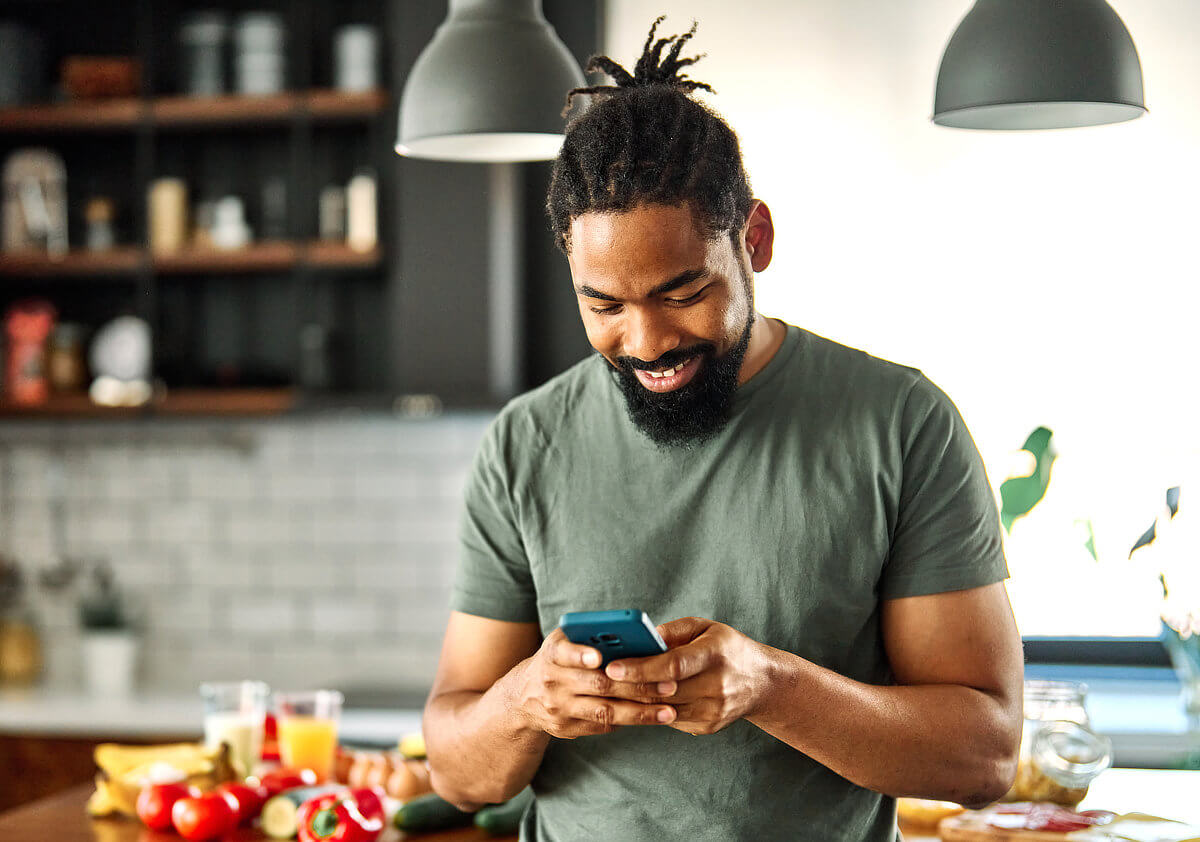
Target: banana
(124, 770)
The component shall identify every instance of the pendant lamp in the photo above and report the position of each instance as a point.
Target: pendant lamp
(489, 87)
(1039, 64)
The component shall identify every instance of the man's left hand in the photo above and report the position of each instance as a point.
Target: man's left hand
(718, 673)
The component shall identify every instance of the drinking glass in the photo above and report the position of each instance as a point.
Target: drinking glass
(233, 713)
(307, 723)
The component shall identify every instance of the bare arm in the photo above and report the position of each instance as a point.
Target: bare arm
(478, 745)
(501, 692)
(948, 730)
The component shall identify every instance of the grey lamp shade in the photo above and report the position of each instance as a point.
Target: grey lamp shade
(489, 87)
(1039, 64)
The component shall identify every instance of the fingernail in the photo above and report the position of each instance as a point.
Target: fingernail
(666, 688)
(616, 671)
(591, 659)
(666, 715)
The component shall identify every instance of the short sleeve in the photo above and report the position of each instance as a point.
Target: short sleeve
(947, 533)
(493, 578)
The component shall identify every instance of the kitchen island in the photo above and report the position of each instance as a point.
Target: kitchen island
(62, 818)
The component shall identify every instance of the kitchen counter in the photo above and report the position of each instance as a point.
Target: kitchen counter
(1139, 709)
(66, 713)
(62, 817)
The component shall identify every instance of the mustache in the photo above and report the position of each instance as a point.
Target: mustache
(668, 360)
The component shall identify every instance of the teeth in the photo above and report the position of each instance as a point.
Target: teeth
(667, 373)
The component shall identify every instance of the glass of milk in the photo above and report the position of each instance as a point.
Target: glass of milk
(233, 713)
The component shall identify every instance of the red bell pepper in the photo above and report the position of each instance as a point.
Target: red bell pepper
(370, 801)
(336, 818)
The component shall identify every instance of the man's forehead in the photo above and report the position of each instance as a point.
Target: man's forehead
(649, 238)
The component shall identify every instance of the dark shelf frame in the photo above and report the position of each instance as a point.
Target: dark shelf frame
(304, 281)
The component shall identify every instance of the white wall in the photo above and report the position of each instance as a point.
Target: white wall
(1039, 278)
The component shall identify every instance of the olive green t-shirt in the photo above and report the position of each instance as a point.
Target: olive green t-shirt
(840, 480)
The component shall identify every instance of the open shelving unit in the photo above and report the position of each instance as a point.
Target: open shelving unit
(320, 105)
(275, 256)
(176, 402)
(227, 324)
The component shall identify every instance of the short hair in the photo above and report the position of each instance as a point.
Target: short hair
(645, 140)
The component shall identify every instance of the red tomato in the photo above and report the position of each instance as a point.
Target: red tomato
(155, 801)
(277, 780)
(206, 816)
(245, 800)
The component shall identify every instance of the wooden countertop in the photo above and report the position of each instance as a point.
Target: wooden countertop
(62, 818)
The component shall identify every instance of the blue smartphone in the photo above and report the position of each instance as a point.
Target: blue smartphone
(617, 634)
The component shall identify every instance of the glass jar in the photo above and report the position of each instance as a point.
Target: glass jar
(1060, 754)
(64, 362)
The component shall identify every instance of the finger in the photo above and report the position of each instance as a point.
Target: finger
(701, 712)
(676, 665)
(616, 712)
(567, 654)
(597, 683)
(684, 630)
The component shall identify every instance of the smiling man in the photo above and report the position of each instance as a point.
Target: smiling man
(814, 524)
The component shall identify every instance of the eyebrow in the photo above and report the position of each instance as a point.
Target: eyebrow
(682, 279)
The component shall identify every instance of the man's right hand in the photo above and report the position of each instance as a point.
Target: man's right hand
(562, 691)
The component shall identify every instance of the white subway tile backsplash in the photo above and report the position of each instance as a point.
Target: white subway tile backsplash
(301, 551)
(186, 611)
(114, 527)
(259, 613)
(178, 522)
(338, 617)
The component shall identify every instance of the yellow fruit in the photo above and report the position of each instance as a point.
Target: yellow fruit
(412, 745)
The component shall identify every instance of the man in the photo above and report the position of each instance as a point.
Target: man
(818, 520)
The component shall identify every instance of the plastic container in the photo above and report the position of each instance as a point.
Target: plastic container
(260, 65)
(203, 37)
(356, 58)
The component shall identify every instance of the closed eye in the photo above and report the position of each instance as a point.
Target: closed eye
(687, 300)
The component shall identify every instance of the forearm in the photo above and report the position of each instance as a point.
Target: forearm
(480, 749)
(948, 742)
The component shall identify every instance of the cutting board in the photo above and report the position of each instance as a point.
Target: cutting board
(969, 828)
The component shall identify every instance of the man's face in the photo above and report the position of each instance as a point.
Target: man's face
(670, 309)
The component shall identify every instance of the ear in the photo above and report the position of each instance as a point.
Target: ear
(760, 235)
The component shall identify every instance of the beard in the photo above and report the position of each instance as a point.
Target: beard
(698, 410)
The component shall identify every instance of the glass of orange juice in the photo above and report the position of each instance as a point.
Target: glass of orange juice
(307, 724)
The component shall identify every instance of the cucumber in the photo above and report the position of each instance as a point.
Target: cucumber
(279, 813)
(499, 819)
(429, 812)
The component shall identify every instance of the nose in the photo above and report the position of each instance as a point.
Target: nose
(649, 334)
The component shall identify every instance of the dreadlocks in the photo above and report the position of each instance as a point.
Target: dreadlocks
(645, 139)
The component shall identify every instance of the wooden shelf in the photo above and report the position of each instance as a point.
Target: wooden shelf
(101, 115)
(321, 105)
(259, 257)
(123, 260)
(127, 260)
(247, 402)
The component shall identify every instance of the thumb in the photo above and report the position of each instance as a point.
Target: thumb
(684, 630)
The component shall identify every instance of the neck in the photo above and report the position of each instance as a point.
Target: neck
(766, 337)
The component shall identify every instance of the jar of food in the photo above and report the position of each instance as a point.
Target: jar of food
(1060, 754)
(65, 363)
(27, 325)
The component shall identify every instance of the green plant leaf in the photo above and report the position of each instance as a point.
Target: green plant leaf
(1018, 495)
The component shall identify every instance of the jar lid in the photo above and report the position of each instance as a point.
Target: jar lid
(1055, 691)
(1070, 754)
